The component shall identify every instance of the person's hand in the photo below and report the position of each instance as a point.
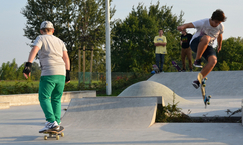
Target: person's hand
(219, 48)
(27, 69)
(180, 28)
(67, 76)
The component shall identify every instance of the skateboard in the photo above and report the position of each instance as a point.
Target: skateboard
(176, 66)
(155, 68)
(56, 133)
(202, 81)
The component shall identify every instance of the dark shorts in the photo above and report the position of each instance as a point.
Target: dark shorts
(208, 52)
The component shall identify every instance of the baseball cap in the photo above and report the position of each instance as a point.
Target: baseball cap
(46, 24)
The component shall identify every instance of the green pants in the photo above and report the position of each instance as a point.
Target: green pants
(50, 94)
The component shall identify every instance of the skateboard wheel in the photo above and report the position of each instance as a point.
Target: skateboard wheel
(45, 137)
(62, 134)
(205, 78)
(57, 137)
(209, 96)
(208, 103)
(204, 85)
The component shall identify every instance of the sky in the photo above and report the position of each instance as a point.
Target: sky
(13, 43)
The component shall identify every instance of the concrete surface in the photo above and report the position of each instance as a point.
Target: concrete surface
(31, 99)
(20, 124)
(4, 105)
(220, 83)
(151, 88)
(110, 113)
(225, 87)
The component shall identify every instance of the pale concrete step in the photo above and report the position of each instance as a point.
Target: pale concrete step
(4, 105)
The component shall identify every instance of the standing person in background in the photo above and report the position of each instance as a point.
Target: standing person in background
(55, 65)
(160, 51)
(186, 50)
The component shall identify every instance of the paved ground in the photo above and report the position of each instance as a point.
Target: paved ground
(20, 124)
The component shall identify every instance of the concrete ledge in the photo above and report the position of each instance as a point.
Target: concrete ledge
(30, 99)
(4, 105)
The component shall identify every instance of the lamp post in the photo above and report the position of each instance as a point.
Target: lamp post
(108, 52)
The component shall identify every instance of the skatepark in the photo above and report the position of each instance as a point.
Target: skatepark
(129, 118)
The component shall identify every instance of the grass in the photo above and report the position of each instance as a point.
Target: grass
(119, 83)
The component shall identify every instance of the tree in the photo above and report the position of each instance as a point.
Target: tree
(8, 70)
(230, 56)
(132, 47)
(77, 22)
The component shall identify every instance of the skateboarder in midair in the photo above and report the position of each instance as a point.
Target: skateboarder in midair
(201, 43)
(55, 65)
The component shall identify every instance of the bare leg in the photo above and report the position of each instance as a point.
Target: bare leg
(212, 60)
(202, 46)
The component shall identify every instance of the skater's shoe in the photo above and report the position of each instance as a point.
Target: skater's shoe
(183, 70)
(197, 63)
(50, 126)
(196, 84)
(191, 70)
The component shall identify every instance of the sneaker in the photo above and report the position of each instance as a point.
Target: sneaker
(191, 70)
(50, 126)
(196, 84)
(197, 63)
(183, 70)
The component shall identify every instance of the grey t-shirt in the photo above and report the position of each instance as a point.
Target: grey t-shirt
(50, 55)
(204, 28)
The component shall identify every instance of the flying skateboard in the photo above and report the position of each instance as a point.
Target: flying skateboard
(155, 68)
(202, 81)
(56, 133)
(176, 66)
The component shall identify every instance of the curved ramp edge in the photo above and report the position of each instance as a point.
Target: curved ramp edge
(151, 88)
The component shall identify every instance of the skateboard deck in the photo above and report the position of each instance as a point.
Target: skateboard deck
(176, 66)
(56, 133)
(155, 68)
(202, 81)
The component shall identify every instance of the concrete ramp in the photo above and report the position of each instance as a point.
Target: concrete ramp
(225, 87)
(151, 88)
(219, 84)
(110, 113)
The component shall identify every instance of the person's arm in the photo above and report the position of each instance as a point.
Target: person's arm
(66, 60)
(219, 39)
(160, 44)
(33, 53)
(27, 69)
(184, 26)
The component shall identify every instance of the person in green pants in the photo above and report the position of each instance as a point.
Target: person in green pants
(55, 72)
